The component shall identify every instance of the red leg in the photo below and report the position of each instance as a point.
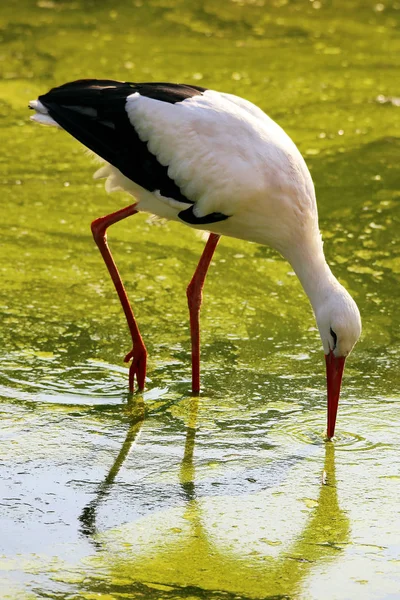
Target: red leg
(195, 296)
(138, 354)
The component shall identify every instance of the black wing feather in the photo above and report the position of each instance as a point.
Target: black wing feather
(93, 111)
(189, 217)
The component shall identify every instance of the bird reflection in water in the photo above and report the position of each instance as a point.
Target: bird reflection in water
(186, 546)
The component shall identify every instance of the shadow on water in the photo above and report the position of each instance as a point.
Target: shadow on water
(161, 559)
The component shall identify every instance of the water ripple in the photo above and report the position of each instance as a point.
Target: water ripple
(309, 428)
(46, 379)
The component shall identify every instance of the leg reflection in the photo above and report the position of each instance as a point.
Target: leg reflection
(89, 513)
(186, 475)
(198, 542)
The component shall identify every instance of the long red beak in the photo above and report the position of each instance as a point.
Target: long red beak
(334, 372)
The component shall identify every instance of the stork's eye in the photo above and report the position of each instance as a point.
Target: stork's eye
(333, 334)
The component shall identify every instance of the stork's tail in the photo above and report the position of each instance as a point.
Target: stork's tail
(41, 116)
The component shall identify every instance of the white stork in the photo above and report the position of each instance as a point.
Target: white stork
(215, 162)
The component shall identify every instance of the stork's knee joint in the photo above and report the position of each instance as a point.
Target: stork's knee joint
(99, 229)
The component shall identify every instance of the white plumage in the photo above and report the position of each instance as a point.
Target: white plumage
(232, 169)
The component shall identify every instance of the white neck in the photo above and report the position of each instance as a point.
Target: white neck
(314, 273)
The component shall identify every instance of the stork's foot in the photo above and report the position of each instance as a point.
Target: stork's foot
(137, 368)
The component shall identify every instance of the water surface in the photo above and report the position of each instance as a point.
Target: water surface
(235, 493)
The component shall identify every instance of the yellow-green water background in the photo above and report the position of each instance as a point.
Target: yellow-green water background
(164, 495)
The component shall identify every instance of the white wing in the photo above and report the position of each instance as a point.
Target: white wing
(223, 152)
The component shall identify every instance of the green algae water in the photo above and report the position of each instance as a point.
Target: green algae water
(234, 494)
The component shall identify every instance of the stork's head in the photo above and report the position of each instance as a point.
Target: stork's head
(339, 324)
